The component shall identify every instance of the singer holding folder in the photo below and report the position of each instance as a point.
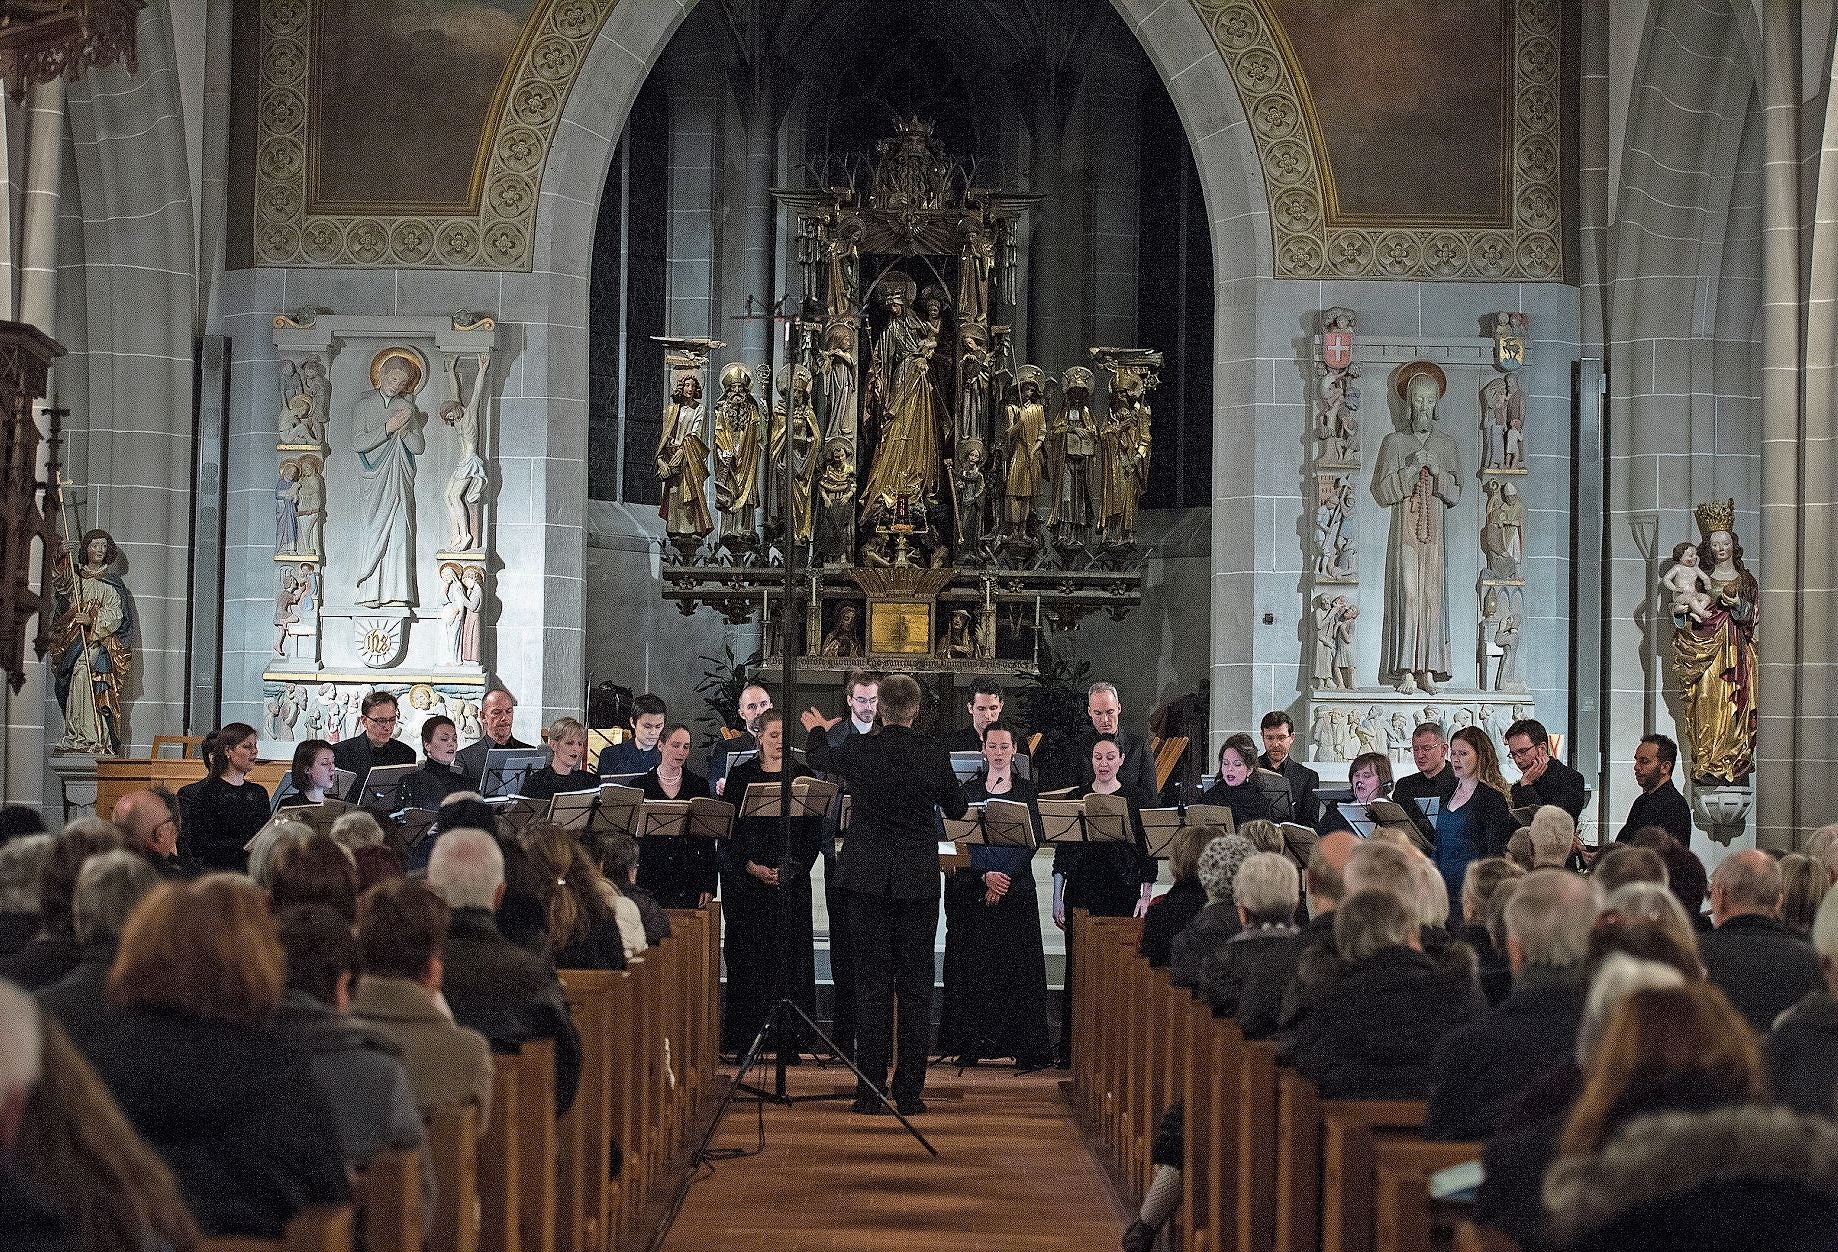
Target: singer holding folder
(995, 965)
(888, 872)
(766, 901)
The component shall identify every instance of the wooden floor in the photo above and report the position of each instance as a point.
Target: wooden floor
(1013, 1172)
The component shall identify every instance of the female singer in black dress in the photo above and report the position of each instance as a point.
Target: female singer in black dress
(995, 1000)
(679, 872)
(567, 769)
(221, 812)
(1235, 786)
(312, 776)
(766, 902)
(428, 787)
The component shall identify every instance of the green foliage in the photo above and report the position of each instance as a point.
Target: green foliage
(721, 686)
(1053, 703)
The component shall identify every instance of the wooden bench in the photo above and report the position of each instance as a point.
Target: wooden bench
(517, 1154)
(453, 1146)
(1350, 1133)
(1402, 1170)
(1298, 1163)
(584, 1136)
(319, 1229)
(388, 1195)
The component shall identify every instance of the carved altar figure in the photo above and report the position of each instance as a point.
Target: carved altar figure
(738, 419)
(968, 485)
(682, 461)
(844, 639)
(1493, 424)
(836, 376)
(452, 613)
(973, 270)
(959, 641)
(309, 506)
(287, 508)
(973, 400)
(836, 504)
(1507, 639)
(472, 582)
(1321, 737)
(1333, 505)
(286, 609)
(1081, 446)
(303, 407)
(1025, 434)
(1689, 585)
(1418, 477)
(1343, 644)
(1503, 533)
(1715, 658)
(1321, 667)
(466, 484)
(89, 645)
(386, 435)
(803, 444)
(907, 460)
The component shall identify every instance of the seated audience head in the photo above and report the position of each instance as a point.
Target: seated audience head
(1549, 920)
(22, 866)
(204, 949)
(109, 887)
(1654, 760)
(149, 821)
(277, 833)
(1432, 892)
(57, 883)
(401, 932)
(1428, 748)
(1519, 849)
(1822, 846)
(1665, 1049)
(1478, 883)
(567, 740)
(1371, 921)
(377, 863)
(1220, 863)
(1553, 835)
(1278, 734)
(314, 870)
(1745, 883)
(17, 820)
(21, 1058)
(1804, 883)
(1528, 743)
(1472, 755)
(1370, 777)
(1103, 708)
(1266, 890)
(358, 828)
(229, 749)
(619, 860)
(1644, 920)
(1623, 864)
(1327, 865)
(321, 953)
(466, 811)
(1685, 873)
(1237, 760)
(496, 712)
(1616, 977)
(1184, 852)
(1396, 836)
(312, 767)
(900, 699)
(1262, 835)
(1384, 867)
(439, 739)
(1494, 918)
(571, 882)
(379, 716)
(467, 869)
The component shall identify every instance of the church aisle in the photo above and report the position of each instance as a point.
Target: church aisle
(1013, 1171)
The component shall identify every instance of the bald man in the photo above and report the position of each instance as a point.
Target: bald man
(150, 819)
(496, 713)
(754, 701)
(1763, 967)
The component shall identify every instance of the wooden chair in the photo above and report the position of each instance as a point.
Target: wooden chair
(1298, 1163)
(320, 1229)
(453, 1145)
(188, 745)
(388, 1195)
(1402, 1170)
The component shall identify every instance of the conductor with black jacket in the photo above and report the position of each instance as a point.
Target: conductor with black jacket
(888, 872)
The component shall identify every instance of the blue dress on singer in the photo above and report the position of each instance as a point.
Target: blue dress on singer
(1457, 844)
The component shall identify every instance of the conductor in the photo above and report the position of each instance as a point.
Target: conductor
(888, 873)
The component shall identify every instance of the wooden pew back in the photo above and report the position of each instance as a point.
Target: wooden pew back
(453, 1145)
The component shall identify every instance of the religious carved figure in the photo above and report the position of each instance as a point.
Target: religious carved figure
(907, 460)
(89, 644)
(452, 613)
(1503, 534)
(682, 462)
(287, 507)
(973, 271)
(1343, 645)
(1333, 508)
(304, 403)
(1321, 668)
(738, 419)
(286, 609)
(973, 399)
(1493, 424)
(1714, 655)
(1689, 584)
(466, 484)
(836, 504)
(1506, 638)
(959, 641)
(1025, 439)
(1337, 421)
(387, 437)
(968, 484)
(1124, 452)
(1080, 444)
(803, 424)
(1321, 737)
(309, 506)
(836, 376)
(845, 637)
(1418, 477)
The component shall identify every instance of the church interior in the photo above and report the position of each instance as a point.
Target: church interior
(452, 438)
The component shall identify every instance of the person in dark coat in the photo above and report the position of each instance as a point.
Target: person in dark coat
(149, 819)
(22, 863)
(109, 886)
(1279, 736)
(1659, 802)
(1543, 779)
(1245, 976)
(505, 992)
(680, 873)
(1479, 1070)
(496, 713)
(995, 970)
(578, 903)
(1480, 910)
(221, 812)
(1235, 785)
(1136, 772)
(567, 769)
(377, 746)
(1369, 776)
(639, 753)
(232, 1107)
(1763, 967)
(1170, 912)
(428, 787)
(1376, 1026)
(1213, 926)
(1434, 779)
(55, 950)
(888, 868)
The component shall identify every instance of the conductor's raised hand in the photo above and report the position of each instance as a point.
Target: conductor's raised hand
(812, 719)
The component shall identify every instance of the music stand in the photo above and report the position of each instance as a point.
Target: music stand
(1276, 790)
(1359, 818)
(571, 810)
(383, 787)
(506, 769)
(966, 765)
(616, 811)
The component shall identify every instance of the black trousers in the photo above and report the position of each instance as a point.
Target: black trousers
(892, 946)
(842, 960)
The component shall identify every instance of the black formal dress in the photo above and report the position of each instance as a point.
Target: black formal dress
(1663, 807)
(995, 969)
(1104, 879)
(360, 756)
(470, 759)
(677, 870)
(217, 820)
(1559, 785)
(768, 945)
(429, 786)
(888, 871)
(1247, 800)
(545, 784)
(1137, 773)
(1303, 807)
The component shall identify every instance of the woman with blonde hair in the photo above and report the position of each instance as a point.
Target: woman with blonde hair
(1804, 883)
(577, 898)
(567, 769)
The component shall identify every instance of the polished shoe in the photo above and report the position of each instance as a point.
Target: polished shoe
(910, 1106)
(867, 1105)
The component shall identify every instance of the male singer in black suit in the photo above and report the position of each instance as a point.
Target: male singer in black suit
(754, 701)
(1543, 779)
(496, 711)
(1137, 773)
(640, 753)
(1279, 735)
(888, 871)
(863, 692)
(377, 746)
(985, 706)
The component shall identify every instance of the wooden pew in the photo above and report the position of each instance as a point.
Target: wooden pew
(500, 1161)
(1256, 1103)
(1350, 1132)
(584, 1136)
(388, 1195)
(453, 1144)
(1209, 1150)
(320, 1229)
(624, 1105)
(517, 1155)
(1298, 1163)
(1401, 1185)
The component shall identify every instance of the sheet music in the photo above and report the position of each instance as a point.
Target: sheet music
(617, 810)
(1008, 824)
(1062, 820)
(571, 809)
(1107, 819)
(968, 828)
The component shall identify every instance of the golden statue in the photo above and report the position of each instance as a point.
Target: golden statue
(738, 418)
(907, 461)
(803, 447)
(1025, 433)
(1713, 654)
(682, 461)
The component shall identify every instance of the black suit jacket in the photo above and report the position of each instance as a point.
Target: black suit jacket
(1663, 807)
(470, 760)
(1762, 967)
(358, 756)
(1137, 773)
(1478, 1072)
(896, 776)
(1303, 807)
(1559, 785)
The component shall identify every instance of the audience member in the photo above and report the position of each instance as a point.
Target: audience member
(1644, 921)
(314, 870)
(1369, 866)
(1802, 1049)
(619, 864)
(1265, 835)
(1685, 873)
(1246, 976)
(1483, 878)
(1804, 883)
(1543, 779)
(503, 991)
(1762, 967)
(401, 942)
(73, 1174)
(18, 821)
(1479, 1070)
(149, 819)
(54, 951)
(1659, 802)
(1519, 849)
(1822, 846)
(220, 813)
(376, 863)
(233, 1109)
(1624, 863)
(22, 863)
(1553, 837)
(523, 917)
(376, 747)
(278, 832)
(1324, 886)
(1380, 1019)
(359, 828)
(109, 888)
(1216, 923)
(1169, 913)
(577, 900)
